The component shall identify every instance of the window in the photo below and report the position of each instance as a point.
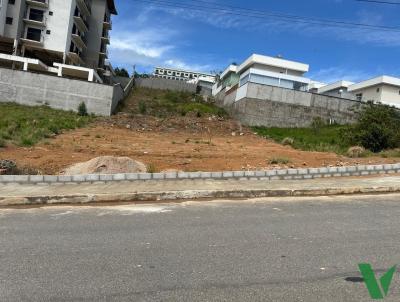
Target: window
(34, 34)
(48, 32)
(50, 13)
(244, 80)
(36, 15)
(9, 20)
(11, 2)
(378, 89)
(359, 96)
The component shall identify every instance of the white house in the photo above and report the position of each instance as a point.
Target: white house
(267, 70)
(338, 89)
(58, 33)
(383, 89)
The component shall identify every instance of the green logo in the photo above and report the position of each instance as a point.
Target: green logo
(377, 290)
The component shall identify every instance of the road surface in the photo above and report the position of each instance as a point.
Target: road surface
(304, 249)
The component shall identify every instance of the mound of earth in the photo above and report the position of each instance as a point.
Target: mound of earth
(106, 165)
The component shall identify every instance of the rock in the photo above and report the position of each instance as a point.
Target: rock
(233, 133)
(128, 126)
(356, 151)
(106, 165)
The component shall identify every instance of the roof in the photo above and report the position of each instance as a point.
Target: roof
(335, 85)
(111, 7)
(230, 68)
(271, 61)
(388, 80)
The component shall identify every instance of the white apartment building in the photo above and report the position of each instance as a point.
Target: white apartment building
(57, 33)
(182, 75)
(383, 89)
(265, 70)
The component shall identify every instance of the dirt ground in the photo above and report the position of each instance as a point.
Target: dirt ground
(181, 143)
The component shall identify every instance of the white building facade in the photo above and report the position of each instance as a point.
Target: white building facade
(61, 32)
(182, 75)
(265, 70)
(383, 89)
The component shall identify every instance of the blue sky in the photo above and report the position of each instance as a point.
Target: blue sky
(147, 35)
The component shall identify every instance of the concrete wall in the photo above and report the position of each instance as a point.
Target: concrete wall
(160, 83)
(262, 105)
(34, 89)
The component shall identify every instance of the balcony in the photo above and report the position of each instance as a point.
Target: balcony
(105, 37)
(85, 6)
(38, 3)
(82, 23)
(107, 24)
(78, 40)
(104, 53)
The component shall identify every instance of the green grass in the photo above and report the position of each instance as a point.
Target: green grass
(325, 139)
(164, 103)
(26, 126)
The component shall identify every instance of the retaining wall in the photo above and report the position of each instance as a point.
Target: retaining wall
(263, 105)
(35, 89)
(282, 174)
(166, 84)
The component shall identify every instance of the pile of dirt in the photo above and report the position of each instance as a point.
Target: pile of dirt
(106, 165)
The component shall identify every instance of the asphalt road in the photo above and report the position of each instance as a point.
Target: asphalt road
(260, 250)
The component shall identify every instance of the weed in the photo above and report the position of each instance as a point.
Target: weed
(82, 110)
(279, 161)
(151, 168)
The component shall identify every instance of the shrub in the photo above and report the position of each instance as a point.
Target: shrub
(142, 107)
(288, 141)
(356, 151)
(82, 110)
(2, 143)
(377, 129)
(279, 161)
(317, 124)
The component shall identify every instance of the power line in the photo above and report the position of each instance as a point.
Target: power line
(246, 12)
(380, 2)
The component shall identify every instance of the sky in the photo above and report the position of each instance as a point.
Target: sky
(147, 35)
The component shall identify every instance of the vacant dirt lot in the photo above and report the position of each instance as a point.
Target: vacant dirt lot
(169, 130)
(184, 143)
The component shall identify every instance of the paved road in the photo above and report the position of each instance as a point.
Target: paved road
(259, 250)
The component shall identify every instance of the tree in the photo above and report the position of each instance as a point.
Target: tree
(378, 128)
(121, 72)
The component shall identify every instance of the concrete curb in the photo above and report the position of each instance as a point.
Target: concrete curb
(280, 174)
(143, 197)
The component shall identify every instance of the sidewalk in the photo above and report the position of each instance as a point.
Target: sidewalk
(164, 190)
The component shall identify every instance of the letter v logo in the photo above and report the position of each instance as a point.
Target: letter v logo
(376, 290)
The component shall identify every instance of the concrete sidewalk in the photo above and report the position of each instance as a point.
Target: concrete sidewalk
(153, 190)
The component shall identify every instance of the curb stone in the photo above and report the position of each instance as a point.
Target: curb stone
(277, 174)
(172, 196)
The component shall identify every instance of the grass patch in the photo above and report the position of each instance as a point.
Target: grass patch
(26, 126)
(325, 139)
(390, 153)
(165, 103)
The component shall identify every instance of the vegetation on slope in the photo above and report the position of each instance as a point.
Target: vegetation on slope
(25, 126)
(163, 103)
